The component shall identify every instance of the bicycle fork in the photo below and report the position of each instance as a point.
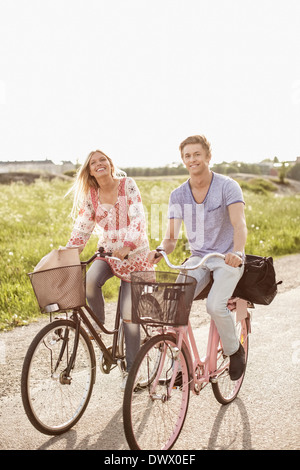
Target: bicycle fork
(65, 376)
(174, 353)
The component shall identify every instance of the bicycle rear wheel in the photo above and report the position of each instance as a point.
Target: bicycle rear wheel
(226, 390)
(53, 401)
(153, 415)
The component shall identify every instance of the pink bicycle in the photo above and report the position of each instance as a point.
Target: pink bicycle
(168, 366)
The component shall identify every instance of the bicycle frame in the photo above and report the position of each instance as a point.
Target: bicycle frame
(169, 366)
(59, 369)
(79, 316)
(205, 369)
(110, 356)
(201, 370)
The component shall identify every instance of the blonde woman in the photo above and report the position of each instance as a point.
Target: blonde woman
(112, 204)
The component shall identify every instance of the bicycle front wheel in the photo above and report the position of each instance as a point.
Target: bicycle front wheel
(153, 413)
(53, 400)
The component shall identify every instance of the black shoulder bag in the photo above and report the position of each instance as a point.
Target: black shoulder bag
(258, 283)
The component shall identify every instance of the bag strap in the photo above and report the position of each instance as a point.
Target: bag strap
(267, 264)
(263, 258)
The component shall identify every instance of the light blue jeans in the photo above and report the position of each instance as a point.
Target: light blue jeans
(225, 280)
(97, 275)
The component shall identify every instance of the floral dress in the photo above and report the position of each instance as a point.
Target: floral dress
(122, 225)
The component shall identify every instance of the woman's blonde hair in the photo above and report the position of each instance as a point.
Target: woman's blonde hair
(85, 181)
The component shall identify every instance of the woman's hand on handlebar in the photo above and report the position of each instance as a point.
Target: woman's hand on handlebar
(121, 253)
(154, 257)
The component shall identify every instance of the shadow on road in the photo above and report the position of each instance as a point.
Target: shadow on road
(111, 437)
(231, 428)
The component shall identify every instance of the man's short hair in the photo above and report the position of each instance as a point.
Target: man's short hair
(196, 139)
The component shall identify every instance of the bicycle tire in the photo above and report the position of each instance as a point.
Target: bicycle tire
(52, 402)
(226, 390)
(152, 419)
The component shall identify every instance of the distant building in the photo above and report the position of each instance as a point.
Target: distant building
(267, 168)
(39, 166)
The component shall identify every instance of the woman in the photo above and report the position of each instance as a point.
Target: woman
(113, 205)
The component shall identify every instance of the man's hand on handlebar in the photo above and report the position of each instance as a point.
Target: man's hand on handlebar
(234, 260)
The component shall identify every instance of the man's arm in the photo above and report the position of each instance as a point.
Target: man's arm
(238, 221)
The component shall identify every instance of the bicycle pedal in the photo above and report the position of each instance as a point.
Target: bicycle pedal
(121, 365)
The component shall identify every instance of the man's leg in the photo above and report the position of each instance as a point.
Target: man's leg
(225, 281)
(202, 275)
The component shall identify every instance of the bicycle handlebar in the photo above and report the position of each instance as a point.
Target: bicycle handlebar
(182, 267)
(102, 254)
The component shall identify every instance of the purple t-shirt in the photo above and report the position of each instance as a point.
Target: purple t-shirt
(208, 225)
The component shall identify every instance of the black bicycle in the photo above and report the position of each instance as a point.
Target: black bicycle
(59, 369)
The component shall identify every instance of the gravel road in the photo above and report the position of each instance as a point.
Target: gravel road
(264, 416)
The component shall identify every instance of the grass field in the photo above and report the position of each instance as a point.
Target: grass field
(35, 219)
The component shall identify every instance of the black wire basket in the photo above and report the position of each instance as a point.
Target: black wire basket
(64, 286)
(161, 298)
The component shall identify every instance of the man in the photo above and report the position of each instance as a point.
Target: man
(212, 208)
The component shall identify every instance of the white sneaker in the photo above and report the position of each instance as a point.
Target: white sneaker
(123, 384)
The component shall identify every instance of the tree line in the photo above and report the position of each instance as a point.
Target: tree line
(283, 171)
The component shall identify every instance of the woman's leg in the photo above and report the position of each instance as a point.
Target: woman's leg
(131, 330)
(97, 275)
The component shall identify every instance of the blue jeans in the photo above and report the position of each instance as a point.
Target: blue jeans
(225, 280)
(97, 275)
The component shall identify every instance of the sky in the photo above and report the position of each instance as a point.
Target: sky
(134, 78)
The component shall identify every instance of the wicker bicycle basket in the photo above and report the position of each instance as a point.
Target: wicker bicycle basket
(64, 286)
(161, 298)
